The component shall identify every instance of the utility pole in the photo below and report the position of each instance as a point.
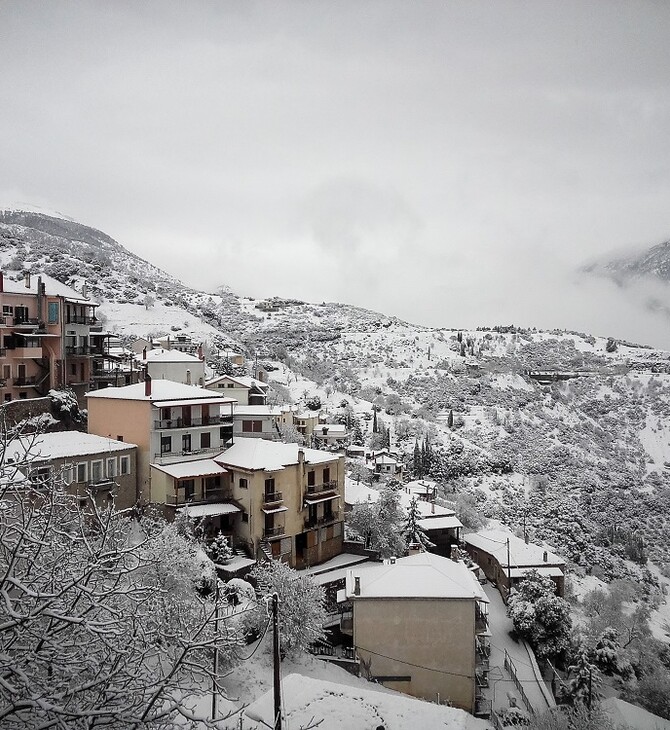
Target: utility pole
(509, 572)
(276, 662)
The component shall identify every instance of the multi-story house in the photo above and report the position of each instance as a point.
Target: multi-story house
(257, 422)
(49, 336)
(170, 422)
(181, 367)
(246, 391)
(291, 499)
(419, 626)
(84, 464)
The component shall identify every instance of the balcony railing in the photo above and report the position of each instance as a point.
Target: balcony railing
(273, 531)
(26, 321)
(321, 521)
(167, 423)
(82, 350)
(101, 484)
(80, 319)
(481, 620)
(212, 495)
(272, 497)
(325, 487)
(172, 455)
(29, 380)
(27, 353)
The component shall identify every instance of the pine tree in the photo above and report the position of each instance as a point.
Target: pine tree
(450, 419)
(374, 420)
(583, 685)
(417, 465)
(219, 550)
(414, 535)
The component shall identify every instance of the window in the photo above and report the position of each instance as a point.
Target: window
(269, 486)
(166, 414)
(166, 444)
(326, 475)
(6, 372)
(311, 478)
(245, 517)
(82, 473)
(252, 426)
(40, 476)
(53, 312)
(188, 485)
(186, 442)
(119, 438)
(23, 395)
(124, 463)
(205, 440)
(244, 483)
(111, 468)
(73, 368)
(7, 310)
(96, 471)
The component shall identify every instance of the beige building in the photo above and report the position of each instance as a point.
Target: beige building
(84, 463)
(256, 422)
(175, 365)
(290, 498)
(169, 422)
(418, 625)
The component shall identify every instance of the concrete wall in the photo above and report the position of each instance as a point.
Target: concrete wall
(429, 640)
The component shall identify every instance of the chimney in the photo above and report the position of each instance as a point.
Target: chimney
(147, 385)
(201, 352)
(84, 290)
(168, 344)
(2, 281)
(188, 377)
(545, 556)
(26, 275)
(301, 456)
(144, 354)
(357, 586)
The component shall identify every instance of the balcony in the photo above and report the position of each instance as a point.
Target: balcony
(80, 319)
(481, 621)
(273, 531)
(330, 486)
(272, 497)
(211, 496)
(168, 456)
(322, 521)
(168, 423)
(81, 351)
(25, 380)
(26, 322)
(101, 484)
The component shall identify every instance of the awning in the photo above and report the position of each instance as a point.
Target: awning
(316, 500)
(209, 510)
(275, 509)
(440, 523)
(35, 334)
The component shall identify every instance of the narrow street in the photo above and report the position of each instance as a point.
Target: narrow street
(501, 685)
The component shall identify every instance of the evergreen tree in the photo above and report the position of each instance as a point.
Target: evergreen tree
(219, 550)
(585, 680)
(606, 651)
(414, 535)
(374, 420)
(450, 420)
(417, 464)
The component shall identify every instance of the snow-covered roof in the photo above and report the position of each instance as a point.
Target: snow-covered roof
(161, 390)
(357, 493)
(243, 381)
(209, 510)
(64, 444)
(440, 523)
(187, 469)
(424, 575)
(162, 355)
(331, 428)
(385, 460)
(268, 411)
(53, 287)
(255, 453)
(522, 554)
(624, 714)
(420, 486)
(341, 706)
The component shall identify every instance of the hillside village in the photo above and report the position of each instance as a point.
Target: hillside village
(421, 479)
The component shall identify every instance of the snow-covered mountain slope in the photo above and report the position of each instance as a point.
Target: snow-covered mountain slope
(651, 263)
(571, 451)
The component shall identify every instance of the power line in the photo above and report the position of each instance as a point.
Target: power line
(418, 666)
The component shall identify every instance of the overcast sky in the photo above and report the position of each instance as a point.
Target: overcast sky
(452, 163)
